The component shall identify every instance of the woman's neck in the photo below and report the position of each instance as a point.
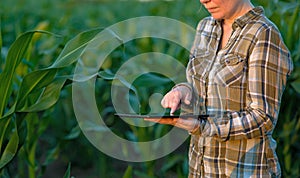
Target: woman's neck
(238, 12)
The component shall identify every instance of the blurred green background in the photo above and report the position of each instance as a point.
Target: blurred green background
(50, 143)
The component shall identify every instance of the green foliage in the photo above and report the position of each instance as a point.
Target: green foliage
(38, 127)
(38, 91)
(68, 172)
(128, 173)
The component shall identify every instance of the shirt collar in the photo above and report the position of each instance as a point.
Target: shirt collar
(243, 20)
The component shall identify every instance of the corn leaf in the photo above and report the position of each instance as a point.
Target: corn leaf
(51, 156)
(1, 43)
(291, 27)
(34, 81)
(74, 48)
(3, 125)
(11, 148)
(74, 133)
(68, 172)
(107, 75)
(49, 97)
(15, 54)
(128, 173)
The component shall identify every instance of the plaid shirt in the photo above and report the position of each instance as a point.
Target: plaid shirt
(241, 85)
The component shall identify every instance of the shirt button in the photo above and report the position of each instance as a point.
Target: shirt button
(235, 26)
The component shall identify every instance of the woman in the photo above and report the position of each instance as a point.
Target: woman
(237, 72)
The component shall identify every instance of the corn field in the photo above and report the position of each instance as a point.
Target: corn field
(41, 43)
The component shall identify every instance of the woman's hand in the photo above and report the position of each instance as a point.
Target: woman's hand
(175, 97)
(189, 124)
(172, 100)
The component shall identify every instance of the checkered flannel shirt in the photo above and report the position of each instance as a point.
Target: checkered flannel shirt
(241, 85)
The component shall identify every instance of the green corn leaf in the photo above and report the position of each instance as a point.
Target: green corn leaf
(296, 84)
(74, 133)
(128, 173)
(141, 174)
(90, 126)
(33, 81)
(74, 48)
(291, 27)
(1, 43)
(11, 148)
(3, 125)
(85, 44)
(41, 78)
(15, 54)
(52, 155)
(48, 98)
(171, 162)
(9, 113)
(107, 75)
(68, 172)
(17, 51)
(152, 80)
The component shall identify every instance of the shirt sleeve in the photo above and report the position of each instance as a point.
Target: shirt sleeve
(269, 65)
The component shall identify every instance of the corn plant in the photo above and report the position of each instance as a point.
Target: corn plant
(38, 91)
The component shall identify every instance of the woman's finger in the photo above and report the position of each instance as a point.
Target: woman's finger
(188, 98)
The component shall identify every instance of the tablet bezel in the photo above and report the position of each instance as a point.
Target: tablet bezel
(162, 116)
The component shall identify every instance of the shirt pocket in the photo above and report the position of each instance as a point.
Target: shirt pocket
(231, 72)
(198, 65)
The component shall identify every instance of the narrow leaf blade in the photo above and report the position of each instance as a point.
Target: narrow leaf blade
(49, 97)
(15, 54)
(11, 148)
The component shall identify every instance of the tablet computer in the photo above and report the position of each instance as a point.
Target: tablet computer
(157, 116)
